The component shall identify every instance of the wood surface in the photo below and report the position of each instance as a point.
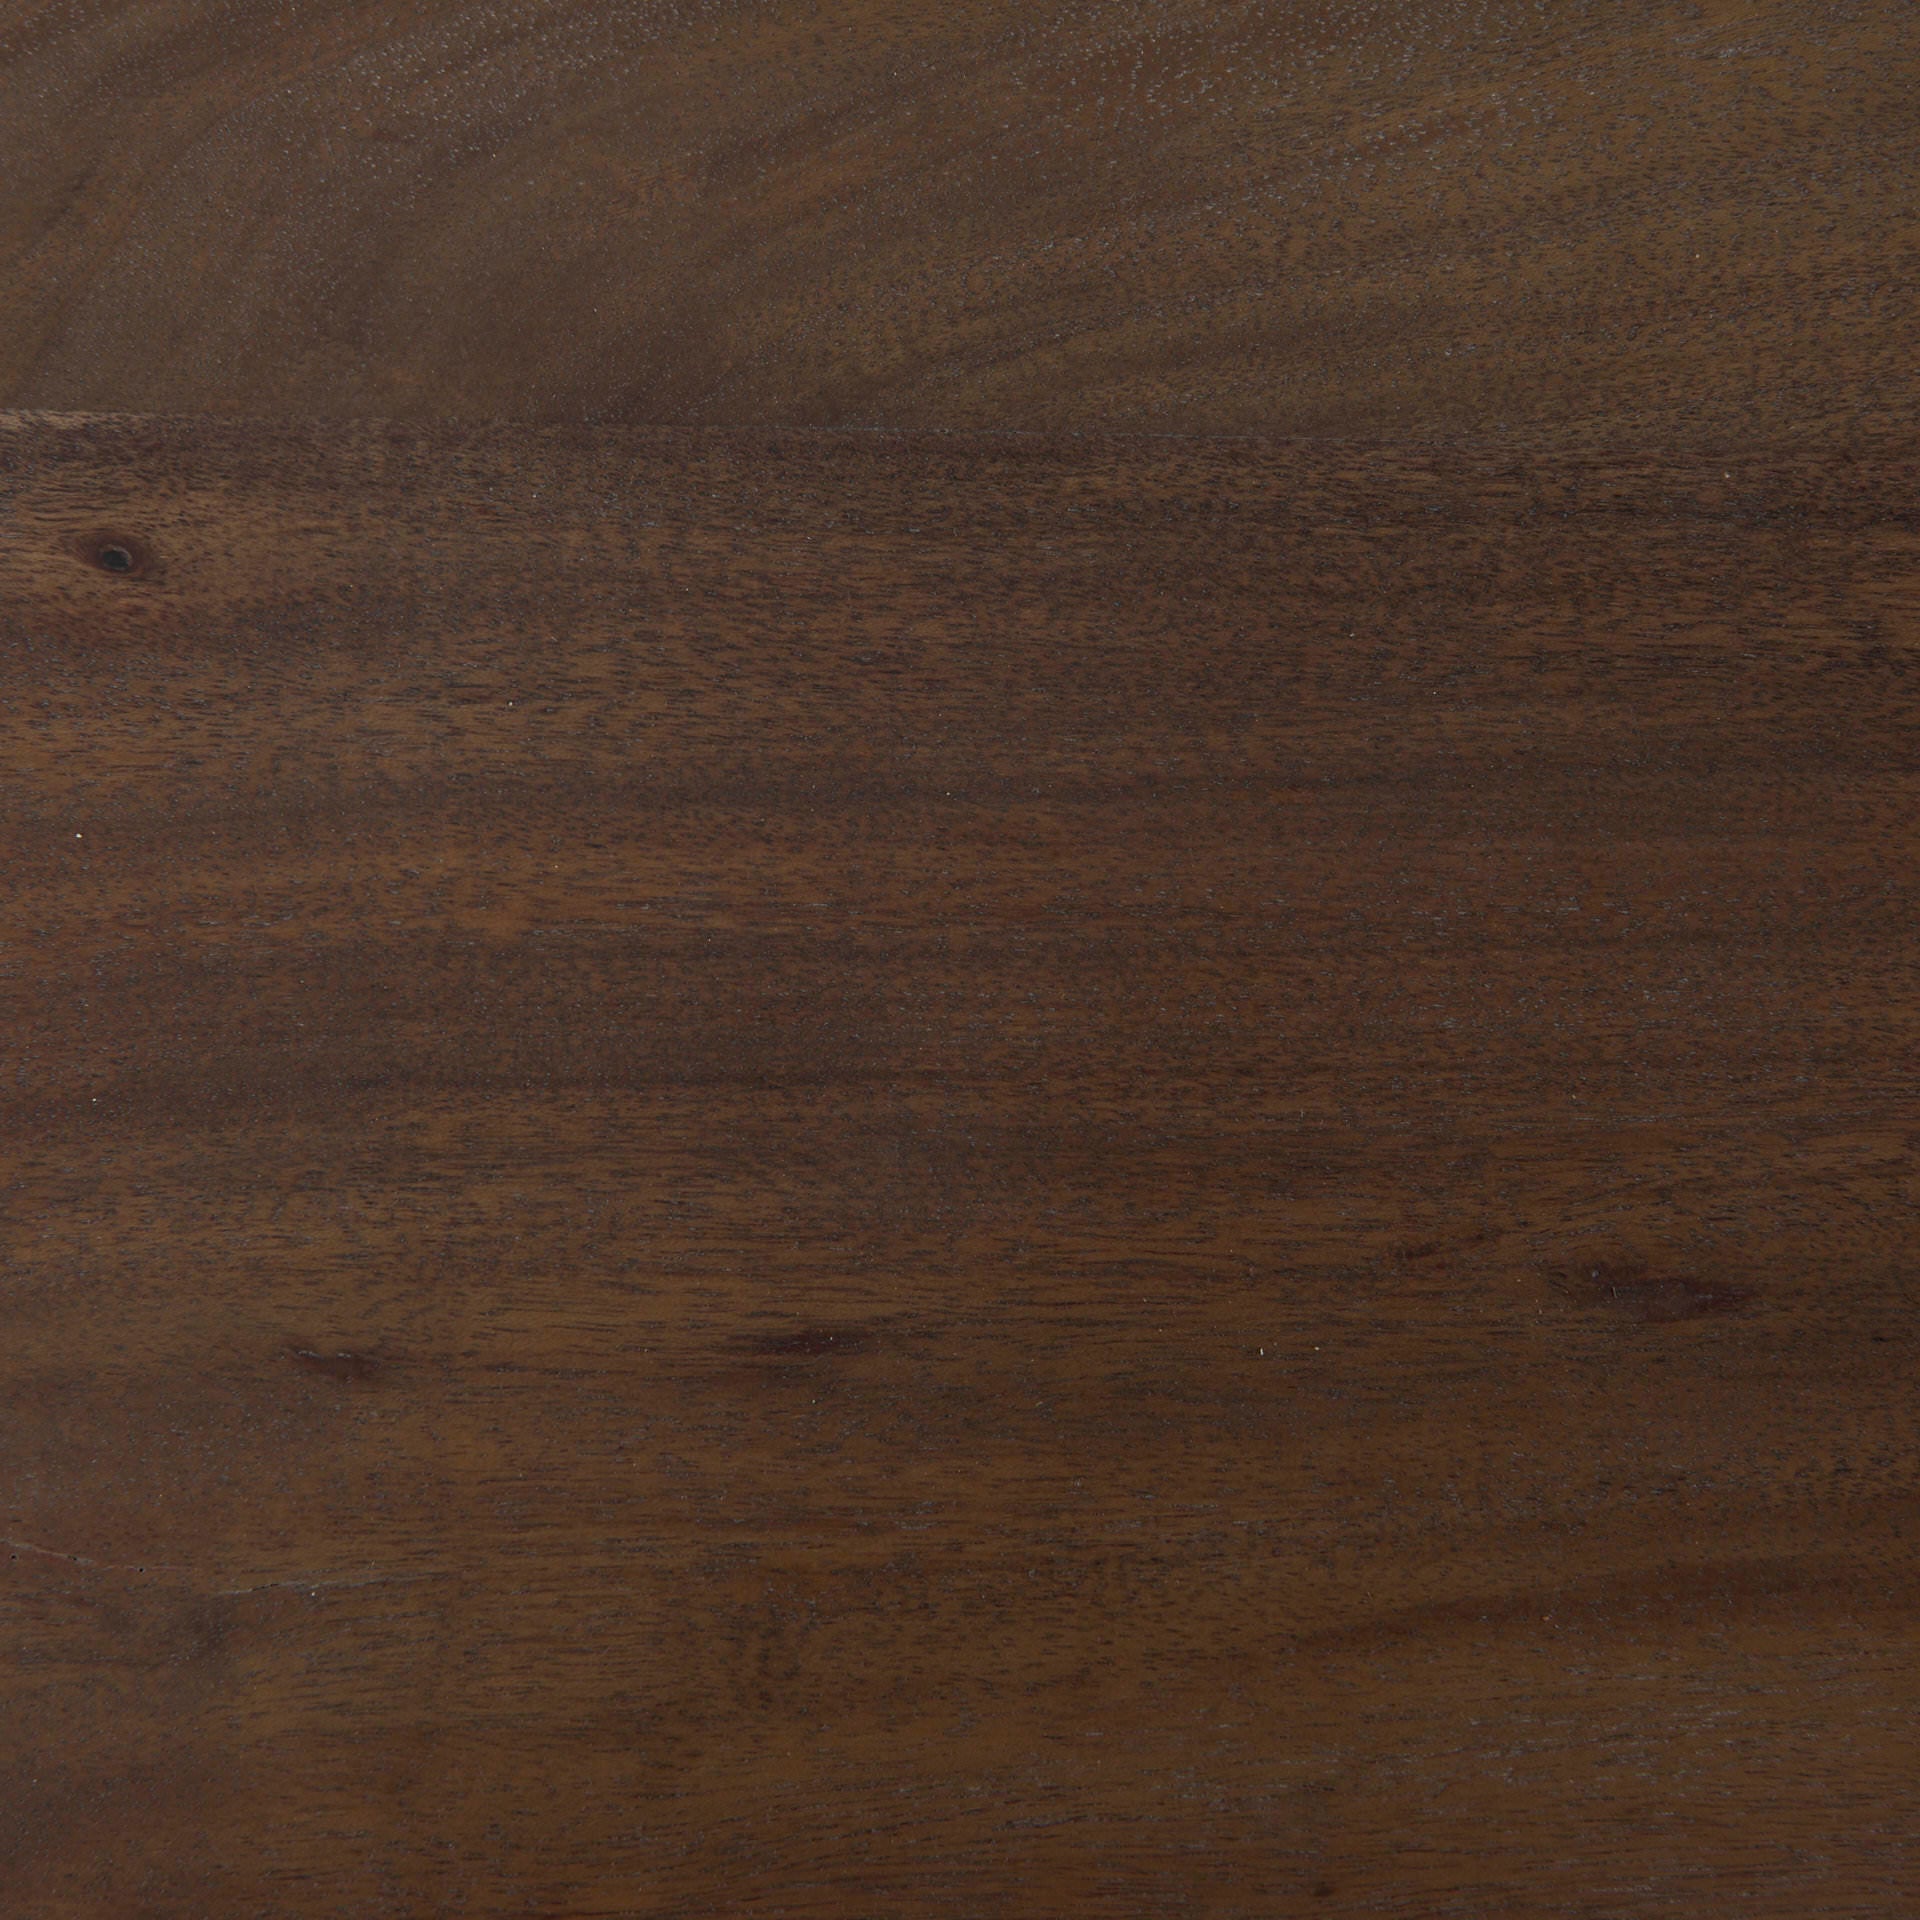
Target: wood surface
(838, 1175)
(1656, 223)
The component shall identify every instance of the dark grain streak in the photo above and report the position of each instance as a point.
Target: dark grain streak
(812, 1342)
(336, 1366)
(1640, 1295)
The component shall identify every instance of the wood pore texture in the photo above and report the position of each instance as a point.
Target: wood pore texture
(863, 1175)
(958, 960)
(1603, 222)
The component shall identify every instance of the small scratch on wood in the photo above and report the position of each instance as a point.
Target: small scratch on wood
(312, 1583)
(103, 1566)
(334, 1580)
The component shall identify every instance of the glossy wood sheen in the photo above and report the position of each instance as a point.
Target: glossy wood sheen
(850, 1175)
(1601, 221)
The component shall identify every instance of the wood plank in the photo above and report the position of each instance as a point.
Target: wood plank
(859, 1174)
(1601, 222)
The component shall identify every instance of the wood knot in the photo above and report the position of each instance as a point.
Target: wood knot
(120, 554)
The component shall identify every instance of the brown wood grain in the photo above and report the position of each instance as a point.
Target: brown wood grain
(1604, 222)
(865, 1175)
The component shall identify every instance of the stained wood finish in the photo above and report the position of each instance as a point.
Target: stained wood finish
(850, 1175)
(1603, 221)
